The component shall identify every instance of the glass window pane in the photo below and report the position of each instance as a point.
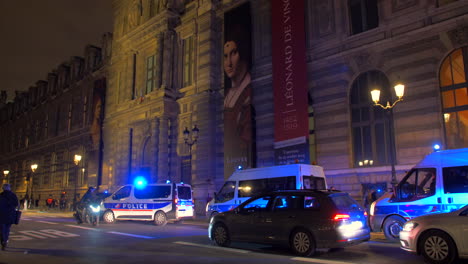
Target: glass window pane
(446, 73)
(365, 114)
(448, 99)
(458, 67)
(356, 115)
(357, 145)
(381, 144)
(367, 140)
(461, 97)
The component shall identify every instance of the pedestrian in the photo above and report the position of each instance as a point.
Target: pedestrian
(49, 201)
(8, 204)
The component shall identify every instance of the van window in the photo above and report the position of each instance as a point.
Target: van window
(314, 183)
(153, 192)
(226, 193)
(124, 192)
(184, 192)
(254, 187)
(419, 183)
(455, 179)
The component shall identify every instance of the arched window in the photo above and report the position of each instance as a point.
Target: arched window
(371, 126)
(453, 88)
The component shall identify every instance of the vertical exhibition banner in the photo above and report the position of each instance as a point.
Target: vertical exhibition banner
(239, 144)
(289, 82)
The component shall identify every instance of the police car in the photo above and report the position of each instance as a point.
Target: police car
(149, 202)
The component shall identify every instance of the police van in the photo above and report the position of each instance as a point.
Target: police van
(149, 202)
(243, 184)
(437, 184)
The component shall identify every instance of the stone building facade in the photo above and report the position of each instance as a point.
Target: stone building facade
(166, 75)
(53, 121)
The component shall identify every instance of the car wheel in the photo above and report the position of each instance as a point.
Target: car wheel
(160, 218)
(437, 247)
(108, 217)
(220, 235)
(302, 243)
(392, 227)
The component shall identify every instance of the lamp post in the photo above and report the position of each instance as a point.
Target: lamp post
(5, 173)
(399, 91)
(77, 160)
(190, 138)
(31, 182)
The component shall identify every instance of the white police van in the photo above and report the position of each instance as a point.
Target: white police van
(149, 202)
(437, 184)
(243, 184)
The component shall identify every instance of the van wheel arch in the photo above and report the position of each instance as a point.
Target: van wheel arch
(160, 218)
(391, 227)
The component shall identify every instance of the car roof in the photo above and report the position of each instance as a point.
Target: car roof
(302, 192)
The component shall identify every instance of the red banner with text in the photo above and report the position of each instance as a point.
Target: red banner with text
(290, 82)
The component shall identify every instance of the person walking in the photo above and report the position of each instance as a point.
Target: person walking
(8, 204)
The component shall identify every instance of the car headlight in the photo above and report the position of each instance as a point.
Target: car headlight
(96, 208)
(409, 226)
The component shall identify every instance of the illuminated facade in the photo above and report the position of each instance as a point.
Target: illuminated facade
(52, 122)
(167, 75)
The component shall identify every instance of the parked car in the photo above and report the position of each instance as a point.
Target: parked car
(439, 238)
(304, 220)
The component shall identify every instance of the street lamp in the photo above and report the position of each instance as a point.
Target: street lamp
(190, 139)
(399, 91)
(5, 173)
(31, 182)
(77, 160)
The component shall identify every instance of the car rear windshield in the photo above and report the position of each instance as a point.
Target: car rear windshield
(184, 192)
(344, 202)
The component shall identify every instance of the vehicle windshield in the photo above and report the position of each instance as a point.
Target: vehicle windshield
(345, 203)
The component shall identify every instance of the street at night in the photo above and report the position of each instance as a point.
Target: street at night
(56, 238)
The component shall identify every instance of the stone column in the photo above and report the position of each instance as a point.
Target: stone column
(168, 59)
(159, 60)
(163, 169)
(155, 126)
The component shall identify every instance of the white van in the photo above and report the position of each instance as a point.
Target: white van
(437, 184)
(243, 184)
(150, 202)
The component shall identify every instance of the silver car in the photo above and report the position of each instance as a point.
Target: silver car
(439, 238)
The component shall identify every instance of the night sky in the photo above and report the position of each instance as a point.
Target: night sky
(38, 35)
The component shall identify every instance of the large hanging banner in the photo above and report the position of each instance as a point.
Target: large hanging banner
(289, 82)
(239, 146)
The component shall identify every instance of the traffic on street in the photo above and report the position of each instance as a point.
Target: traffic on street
(52, 237)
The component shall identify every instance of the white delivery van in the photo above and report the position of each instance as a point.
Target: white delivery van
(149, 202)
(243, 184)
(437, 184)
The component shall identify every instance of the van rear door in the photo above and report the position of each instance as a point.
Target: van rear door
(183, 201)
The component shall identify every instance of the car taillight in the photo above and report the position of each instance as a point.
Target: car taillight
(340, 217)
(176, 202)
(365, 214)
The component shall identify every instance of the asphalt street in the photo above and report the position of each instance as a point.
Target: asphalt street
(54, 237)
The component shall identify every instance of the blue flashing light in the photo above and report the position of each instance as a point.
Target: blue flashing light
(140, 182)
(436, 147)
(168, 181)
(181, 182)
(240, 167)
(379, 190)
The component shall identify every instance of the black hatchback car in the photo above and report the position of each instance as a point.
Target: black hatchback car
(304, 220)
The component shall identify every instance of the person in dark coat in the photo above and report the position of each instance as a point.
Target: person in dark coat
(8, 204)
